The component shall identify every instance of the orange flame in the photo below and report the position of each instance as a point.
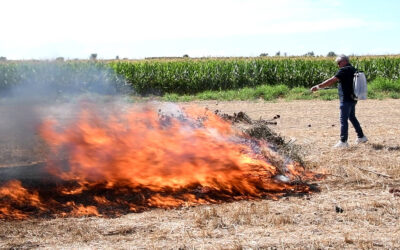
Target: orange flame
(154, 160)
(12, 194)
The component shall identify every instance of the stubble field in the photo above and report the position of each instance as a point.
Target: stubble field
(358, 206)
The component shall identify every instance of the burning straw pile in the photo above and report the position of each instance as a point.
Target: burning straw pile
(105, 163)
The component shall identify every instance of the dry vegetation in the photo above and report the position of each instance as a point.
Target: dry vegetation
(355, 208)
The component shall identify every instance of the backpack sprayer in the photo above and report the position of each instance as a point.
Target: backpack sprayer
(360, 88)
(360, 85)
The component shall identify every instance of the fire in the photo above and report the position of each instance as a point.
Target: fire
(107, 163)
(13, 195)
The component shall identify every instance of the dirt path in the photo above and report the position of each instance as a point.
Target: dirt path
(315, 126)
(355, 208)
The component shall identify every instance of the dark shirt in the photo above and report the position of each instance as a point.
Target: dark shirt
(345, 87)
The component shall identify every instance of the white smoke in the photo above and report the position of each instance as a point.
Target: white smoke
(46, 89)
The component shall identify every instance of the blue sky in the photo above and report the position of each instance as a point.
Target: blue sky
(46, 29)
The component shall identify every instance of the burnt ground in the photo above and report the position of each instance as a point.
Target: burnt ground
(358, 206)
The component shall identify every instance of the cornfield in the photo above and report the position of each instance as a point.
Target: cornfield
(188, 76)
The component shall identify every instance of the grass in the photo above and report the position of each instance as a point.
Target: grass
(192, 76)
(187, 76)
(380, 88)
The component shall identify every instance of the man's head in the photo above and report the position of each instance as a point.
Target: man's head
(342, 60)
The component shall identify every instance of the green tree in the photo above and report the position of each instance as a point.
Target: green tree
(331, 54)
(311, 53)
(93, 56)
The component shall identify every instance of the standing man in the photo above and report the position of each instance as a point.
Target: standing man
(347, 98)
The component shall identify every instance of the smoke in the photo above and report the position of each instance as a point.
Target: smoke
(41, 81)
(29, 92)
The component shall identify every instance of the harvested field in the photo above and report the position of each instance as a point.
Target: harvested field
(358, 206)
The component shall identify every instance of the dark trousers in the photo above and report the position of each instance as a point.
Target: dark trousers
(348, 112)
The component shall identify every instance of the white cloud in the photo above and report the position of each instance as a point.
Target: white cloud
(105, 21)
(30, 25)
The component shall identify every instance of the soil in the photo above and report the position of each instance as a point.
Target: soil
(358, 206)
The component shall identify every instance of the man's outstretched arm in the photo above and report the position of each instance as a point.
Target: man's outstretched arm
(325, 83)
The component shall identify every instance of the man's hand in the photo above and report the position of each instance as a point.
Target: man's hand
(325, 84)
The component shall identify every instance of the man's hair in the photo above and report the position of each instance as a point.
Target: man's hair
(342, 58)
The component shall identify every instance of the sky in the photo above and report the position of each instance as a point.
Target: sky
(136, 29)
